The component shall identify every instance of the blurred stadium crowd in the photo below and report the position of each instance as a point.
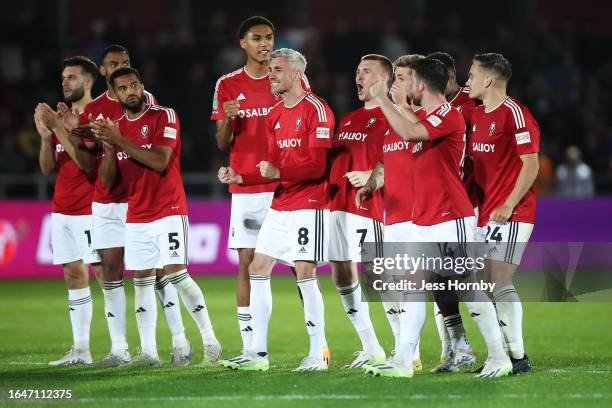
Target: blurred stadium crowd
(561, 69)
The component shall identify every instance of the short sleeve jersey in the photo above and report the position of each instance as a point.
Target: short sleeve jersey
(153, 195)
(249, 129)
(74, 187)
(399, 196)
(104, 107)
(498, 138)
(439, 194)
(294, 131)
(357, 146)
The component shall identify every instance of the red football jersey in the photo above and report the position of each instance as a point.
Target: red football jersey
(249, 128)
(398, 196)
(439, 194)
(101, 108)
(296, 136)
(153, 195)
(465, 104)
(357, 146)
(498, 138)
(74, 188)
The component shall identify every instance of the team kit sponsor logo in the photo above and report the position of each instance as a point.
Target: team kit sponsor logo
(289, 143)
(395, 146)
(483, 147)
(253, 113)
(123, 155)
(355, 136)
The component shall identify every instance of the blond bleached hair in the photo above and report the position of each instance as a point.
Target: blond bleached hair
(296, 59)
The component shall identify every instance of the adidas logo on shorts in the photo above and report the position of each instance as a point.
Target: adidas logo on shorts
(302, 250)
(174, 254)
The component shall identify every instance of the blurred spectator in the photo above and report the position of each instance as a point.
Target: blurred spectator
(574, 177)
(544, 183)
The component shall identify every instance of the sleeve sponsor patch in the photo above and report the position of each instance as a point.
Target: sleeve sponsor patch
(434, 120)
(169, 132)
(322, 133)
(522, 138)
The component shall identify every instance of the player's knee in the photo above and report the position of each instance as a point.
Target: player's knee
(245, 258)
(305, 270)
(112, 270)
(75, 273)
(343, 274)
(260, 265)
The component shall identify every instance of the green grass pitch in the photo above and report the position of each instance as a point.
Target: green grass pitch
(569, 345)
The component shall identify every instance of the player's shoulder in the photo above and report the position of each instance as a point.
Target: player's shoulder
(420, 112)
(98, 101)
(277, 107)
(514, 109)
(316, 104)
(352, 114)
(163, 112)
(149, 98)
(230, 78)
(445, 110)
(103, 97)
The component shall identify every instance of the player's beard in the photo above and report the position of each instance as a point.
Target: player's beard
(417, 99)
(75, 95)
(134, 106)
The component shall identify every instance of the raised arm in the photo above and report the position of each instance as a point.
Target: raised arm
(46, 155)
(404, 122)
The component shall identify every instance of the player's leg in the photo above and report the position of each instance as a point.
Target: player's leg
(272, 244)
(326, 350)
(512, 238)
(256, 358)
(347, 236)
(308, 235)
(243, 294)
(396, 237)
(248, 212)
(171, 239)
(479, 305)
(412, 319)
(314, 316)
(169, 300)
(80, 306)
(68, 241)
(115, 305)
(146, 318)
(460, 351)
(344, 274)
(442, 332)
(108, 236)
(141, 256)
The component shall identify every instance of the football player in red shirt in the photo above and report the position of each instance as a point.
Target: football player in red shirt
(394, 172)
(357, 148)
(442, 212)
(300, 129)
(448, 320)
(241, 104)
(75, 164)
(504, 146)
(143, 148)
(109, 210)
